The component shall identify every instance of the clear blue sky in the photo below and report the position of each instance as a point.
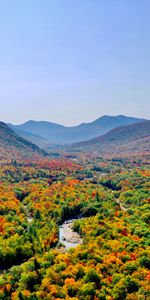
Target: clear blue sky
(71, 61)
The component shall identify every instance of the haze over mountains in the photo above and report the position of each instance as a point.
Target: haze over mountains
(13, 146)
(44, 134)
(133, 138)
(119, 134)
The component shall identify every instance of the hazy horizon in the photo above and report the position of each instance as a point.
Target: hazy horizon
(67, 125)
(70, 62)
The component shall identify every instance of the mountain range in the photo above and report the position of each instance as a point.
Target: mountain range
(133, 138)
(45, 134)
(114, 135)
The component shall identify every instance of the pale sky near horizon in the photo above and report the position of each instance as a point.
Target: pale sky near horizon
(73, 61)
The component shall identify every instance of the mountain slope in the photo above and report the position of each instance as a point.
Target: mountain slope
(131, 138)
(57, 134)
(14, 146)
(31, 137)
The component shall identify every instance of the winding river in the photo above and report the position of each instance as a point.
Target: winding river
(68, 237)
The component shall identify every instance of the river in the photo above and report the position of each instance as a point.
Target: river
(68, 237)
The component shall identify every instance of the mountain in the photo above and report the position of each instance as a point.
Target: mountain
(48, 133)
(31, 137)
(131, 138)
(14, 146)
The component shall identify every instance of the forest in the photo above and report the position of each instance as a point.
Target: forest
(112, 198)
(75, 150)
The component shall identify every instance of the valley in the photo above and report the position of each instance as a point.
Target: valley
(75, 224)
(75, 150)
(46, 252)
(47, 134)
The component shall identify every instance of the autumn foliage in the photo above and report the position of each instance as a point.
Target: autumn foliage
(112, 197)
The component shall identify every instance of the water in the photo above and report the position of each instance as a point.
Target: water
(68, 237)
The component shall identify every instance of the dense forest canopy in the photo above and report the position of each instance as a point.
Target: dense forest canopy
(111, 195)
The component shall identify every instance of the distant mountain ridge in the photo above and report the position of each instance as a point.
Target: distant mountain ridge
(14, 146)
(45, 133)
(130, 138)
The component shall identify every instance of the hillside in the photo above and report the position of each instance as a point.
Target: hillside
(46, 133)
(31, 137)
(14, 146)
(131, 138)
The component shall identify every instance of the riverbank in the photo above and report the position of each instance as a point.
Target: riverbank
(68, 237)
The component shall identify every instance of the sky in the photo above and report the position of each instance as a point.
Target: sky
(72, 61)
